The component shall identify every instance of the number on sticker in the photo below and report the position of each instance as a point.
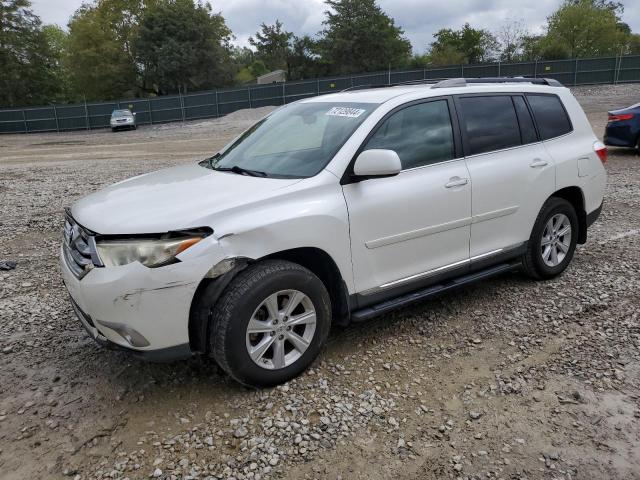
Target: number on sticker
(345, 112)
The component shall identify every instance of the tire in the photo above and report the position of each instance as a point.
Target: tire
(113, 129)
(260, 294)
(540, 264)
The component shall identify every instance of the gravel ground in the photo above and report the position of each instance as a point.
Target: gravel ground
(508, 379)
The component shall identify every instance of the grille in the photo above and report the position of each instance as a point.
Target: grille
(78, 247)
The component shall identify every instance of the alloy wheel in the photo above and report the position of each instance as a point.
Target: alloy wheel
(556, 240)
(281, 329)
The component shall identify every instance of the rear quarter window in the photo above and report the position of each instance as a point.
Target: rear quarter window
(550, 115)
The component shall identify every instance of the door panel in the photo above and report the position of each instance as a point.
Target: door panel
(511, 171)
(408, 224)
(509, 188)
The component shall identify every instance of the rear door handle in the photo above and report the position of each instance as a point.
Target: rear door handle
(456, 182)
(538, 162)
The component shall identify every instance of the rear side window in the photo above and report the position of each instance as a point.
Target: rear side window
(420, 134)
(527, 129)
(550, 116)
(490, 123)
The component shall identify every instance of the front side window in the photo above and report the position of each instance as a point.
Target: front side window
(490, 123)
(420, 134)
(296, 141)
(550, 116)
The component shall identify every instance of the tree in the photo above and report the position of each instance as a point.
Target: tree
(56, 39)
(359, 37)
(272, 45)
(100, 46)
(28, 64)
(585, 28)
(510, 38)
(467, 45)
(183, 46)
(304, 59)
(633, 44)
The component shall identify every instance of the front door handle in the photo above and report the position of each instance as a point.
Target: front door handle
(538, 162)
(456, 182)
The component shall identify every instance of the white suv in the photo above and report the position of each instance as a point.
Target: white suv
(334, 209)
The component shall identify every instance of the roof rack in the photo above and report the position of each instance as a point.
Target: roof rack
(368, 85)
(459, 82)
(463, 82)
(386, 85)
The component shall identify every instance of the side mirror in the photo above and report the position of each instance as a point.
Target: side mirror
(377, 163)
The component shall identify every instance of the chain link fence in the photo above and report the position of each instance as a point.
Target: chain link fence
(216, 103)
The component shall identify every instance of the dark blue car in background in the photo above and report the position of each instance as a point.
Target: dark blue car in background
(623, 128)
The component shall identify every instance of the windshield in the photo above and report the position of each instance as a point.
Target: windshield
(296, 141)
(121, 113)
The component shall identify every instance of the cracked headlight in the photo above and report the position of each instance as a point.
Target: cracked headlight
(152, 253)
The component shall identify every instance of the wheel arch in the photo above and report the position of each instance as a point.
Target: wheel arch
(575, 196)
(314, 259)
(325, 268)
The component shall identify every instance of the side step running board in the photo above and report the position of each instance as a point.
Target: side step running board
(404, 300)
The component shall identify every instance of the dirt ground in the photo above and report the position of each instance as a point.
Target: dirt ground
(509, 378)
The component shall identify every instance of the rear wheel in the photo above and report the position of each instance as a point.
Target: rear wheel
(553, 240)
(270, 323)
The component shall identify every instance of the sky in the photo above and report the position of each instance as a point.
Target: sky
(420, 19)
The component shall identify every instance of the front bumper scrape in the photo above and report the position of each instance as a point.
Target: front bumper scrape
(139, 308)
(162, 355)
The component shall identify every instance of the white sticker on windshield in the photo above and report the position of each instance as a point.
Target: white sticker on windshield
(345, 112)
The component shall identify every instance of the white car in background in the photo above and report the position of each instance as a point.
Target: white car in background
(334, 209)
(122, 119)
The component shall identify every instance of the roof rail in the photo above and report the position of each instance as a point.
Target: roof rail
(365, 86)
(463, 82)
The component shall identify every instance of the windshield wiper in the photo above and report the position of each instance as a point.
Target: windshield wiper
(241, 171)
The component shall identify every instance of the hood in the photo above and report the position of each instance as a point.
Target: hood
(175, 198)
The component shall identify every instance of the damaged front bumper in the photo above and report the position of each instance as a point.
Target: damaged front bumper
(140, 309)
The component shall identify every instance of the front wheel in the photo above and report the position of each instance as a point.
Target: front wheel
(270, 323)
(553, 240)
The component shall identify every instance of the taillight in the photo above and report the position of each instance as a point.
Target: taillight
(619, 118)
(601, 151)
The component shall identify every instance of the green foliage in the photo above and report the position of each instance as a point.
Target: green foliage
(304, 60)
(272, 46)
(101, 48)
(418, 61)
(467, 45)
(57, 39)
(582, 28)
(183, 46)
(242, 56)
(633, 46)
(252, 71)
(359, 37)
(447, 55)
(29, 66)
